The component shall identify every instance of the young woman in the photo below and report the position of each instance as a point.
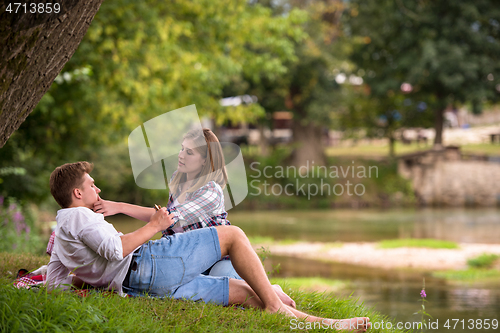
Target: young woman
(196, 192)
(196, 188)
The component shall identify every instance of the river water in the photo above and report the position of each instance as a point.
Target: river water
(393, 293)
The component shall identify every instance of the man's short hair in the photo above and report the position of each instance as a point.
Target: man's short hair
(65, 178)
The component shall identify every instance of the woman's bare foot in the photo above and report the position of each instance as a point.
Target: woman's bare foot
(358, 324)
(284, 297)
(283, 309)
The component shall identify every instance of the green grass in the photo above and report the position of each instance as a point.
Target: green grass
(482, 148)
(484, 260)
(10, 263)
(382, 150)
(372, 150)
(412, 242)
(37, 310)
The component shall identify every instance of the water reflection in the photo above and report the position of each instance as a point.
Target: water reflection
(462, 225)
(466, 226)
(397, 293)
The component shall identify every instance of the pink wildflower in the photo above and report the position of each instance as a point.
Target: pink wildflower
(18, 217)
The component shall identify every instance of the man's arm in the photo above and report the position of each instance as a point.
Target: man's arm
(58, 276)
(161, 220)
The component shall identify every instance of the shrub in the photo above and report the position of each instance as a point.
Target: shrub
(18, 232)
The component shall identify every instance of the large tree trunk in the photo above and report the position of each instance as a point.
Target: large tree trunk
(34, 49)
(438, 126)
(308, 144)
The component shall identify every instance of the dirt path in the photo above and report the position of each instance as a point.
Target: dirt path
(367, 254)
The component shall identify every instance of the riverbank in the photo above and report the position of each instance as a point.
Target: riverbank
(370, 255)
(36, 310)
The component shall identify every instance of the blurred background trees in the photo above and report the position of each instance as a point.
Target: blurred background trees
(138, 60)
(308, 88)
(374, 67)
(438, 52)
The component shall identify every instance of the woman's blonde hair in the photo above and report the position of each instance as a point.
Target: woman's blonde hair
(214, 169)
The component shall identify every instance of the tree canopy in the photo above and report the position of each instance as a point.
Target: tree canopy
(448, 51)
(308, 89)
(141, 59)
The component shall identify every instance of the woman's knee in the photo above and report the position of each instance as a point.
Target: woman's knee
(231, 229)
(229, 233)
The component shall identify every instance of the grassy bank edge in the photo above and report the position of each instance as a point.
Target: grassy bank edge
(24, 310)
(417, 242)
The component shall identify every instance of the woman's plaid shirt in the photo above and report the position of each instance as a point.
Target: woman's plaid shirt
(202, 208)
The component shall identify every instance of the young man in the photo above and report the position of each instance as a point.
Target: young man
(90, 248)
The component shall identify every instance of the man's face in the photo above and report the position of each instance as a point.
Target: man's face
(90, 192)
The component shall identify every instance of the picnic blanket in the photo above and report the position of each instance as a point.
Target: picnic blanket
(28, 280)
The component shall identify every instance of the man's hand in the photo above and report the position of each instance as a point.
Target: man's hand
(106, 207)
(161, 220)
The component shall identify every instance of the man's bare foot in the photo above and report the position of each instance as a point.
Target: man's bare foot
(284, 297)
(358, 324)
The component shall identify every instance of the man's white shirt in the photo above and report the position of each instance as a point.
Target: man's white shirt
(88, 246)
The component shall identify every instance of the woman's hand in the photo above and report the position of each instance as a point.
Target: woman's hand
(107, 207)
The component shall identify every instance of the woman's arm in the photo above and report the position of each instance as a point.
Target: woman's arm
(108, 207)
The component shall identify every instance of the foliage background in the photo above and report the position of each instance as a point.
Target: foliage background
(141, 59)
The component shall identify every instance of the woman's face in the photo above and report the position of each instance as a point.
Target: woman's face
(190, 160)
